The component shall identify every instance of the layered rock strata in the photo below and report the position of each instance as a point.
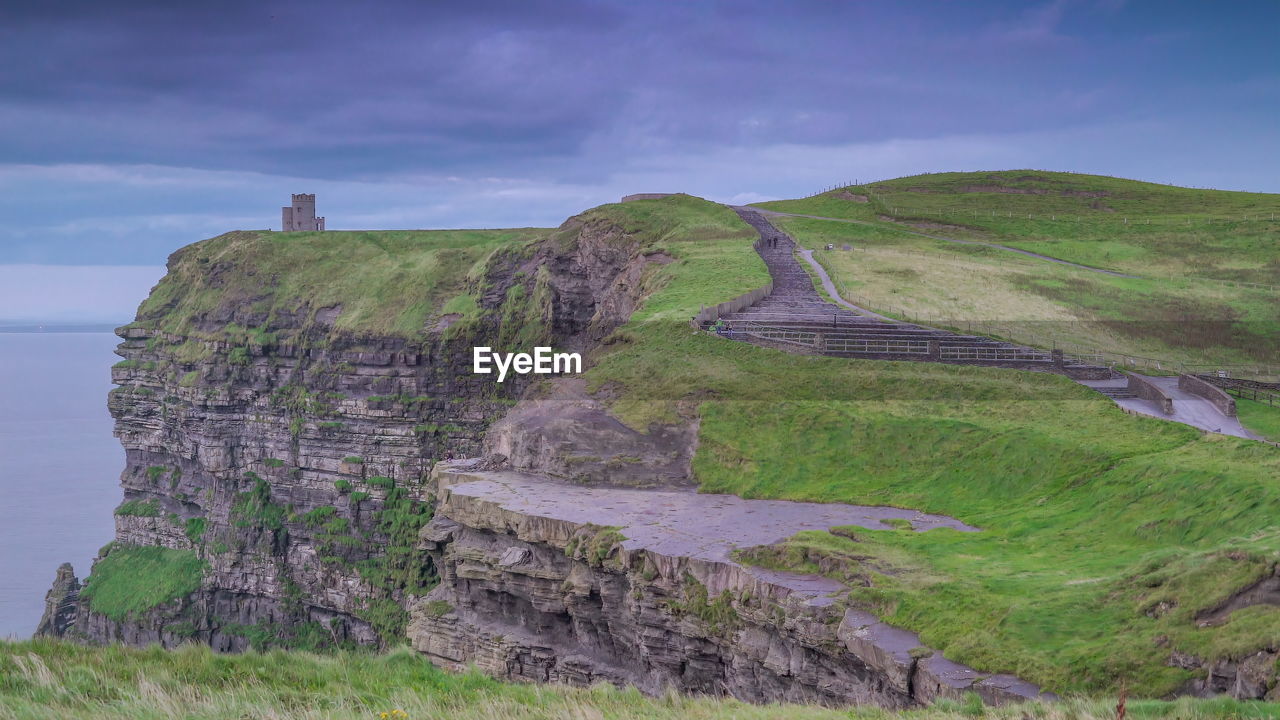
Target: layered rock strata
(552, 582)
(286, 458)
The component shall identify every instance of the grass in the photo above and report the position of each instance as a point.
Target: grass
(47, 679)
(1193, 250)
(384, 282)
(131, 580)
(1138, 227)
(975, 288)
(1260, 418)
(1090, 517)
(139, 508)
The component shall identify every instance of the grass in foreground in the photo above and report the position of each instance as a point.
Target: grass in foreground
(44, 679)
(1103, 535)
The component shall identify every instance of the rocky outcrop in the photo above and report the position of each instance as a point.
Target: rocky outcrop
(570, 435)
(60, 604)
(549, 582)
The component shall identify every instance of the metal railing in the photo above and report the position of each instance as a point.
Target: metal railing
(994, 354)
(876, 346)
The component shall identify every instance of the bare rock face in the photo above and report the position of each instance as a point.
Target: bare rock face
(557, 583)
(570, 435)
(60, 604)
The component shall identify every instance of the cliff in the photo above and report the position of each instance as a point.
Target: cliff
(279, 429)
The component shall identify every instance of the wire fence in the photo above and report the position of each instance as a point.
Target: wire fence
(902, 250)
(898, 212)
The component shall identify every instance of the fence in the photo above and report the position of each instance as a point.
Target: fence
(901, 250)
(1244, 391)
(994, 354)
(876, 346)
(1074, 353)
(900, 212)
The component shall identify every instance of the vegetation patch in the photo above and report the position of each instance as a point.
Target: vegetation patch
(254, 508)
(131, 580)
(43, 678)
(385, 283)
(139, 508)
(1260, 418)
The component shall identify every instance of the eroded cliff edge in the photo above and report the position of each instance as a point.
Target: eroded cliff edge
(546, 581)
(279, 429)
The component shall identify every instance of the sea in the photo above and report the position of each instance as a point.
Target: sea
(59, 464)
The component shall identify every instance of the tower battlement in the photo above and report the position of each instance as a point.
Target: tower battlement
(301, 214)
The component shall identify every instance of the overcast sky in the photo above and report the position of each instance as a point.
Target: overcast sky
(128, 129)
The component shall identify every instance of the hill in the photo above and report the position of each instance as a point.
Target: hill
(285, 446)
(1193, 276)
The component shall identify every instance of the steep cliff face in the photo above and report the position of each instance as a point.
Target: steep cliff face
(277, 449)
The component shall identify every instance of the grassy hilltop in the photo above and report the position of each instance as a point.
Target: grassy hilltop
(390, 282)
(1206, 290)
(1103, 536)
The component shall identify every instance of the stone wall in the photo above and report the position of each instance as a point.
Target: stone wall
(1147, 390)
(1220, 399)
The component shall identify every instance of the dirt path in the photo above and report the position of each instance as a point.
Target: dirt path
(830, 286)
(1028, 253)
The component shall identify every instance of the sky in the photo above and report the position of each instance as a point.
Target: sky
(129, 129)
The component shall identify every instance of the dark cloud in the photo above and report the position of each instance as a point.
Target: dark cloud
(348, 87)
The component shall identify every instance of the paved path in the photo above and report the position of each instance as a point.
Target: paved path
(830, 287)
(1198, 412)
(998, 246)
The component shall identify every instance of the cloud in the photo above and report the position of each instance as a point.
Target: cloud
(136, 127)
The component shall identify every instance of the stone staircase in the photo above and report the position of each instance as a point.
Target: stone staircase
(1121, 392)
(794, 316)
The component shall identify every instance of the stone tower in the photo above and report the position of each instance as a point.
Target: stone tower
(301, 215)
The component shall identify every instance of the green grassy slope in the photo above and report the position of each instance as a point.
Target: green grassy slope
(1090, 517)
(135, 579)
(1187, 305)
(1137, 227)
(1260, 418)
(386, 282)
(44, 679)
